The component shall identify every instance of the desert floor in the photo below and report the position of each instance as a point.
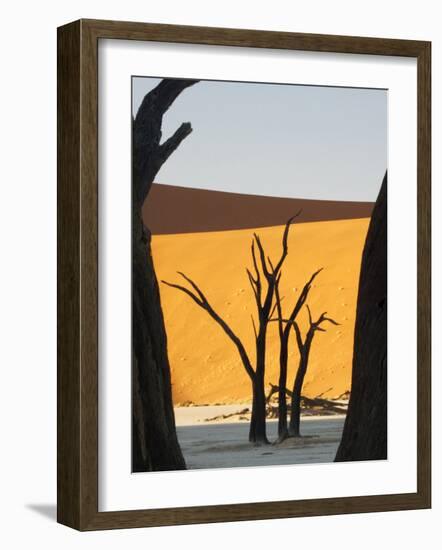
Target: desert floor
(205, 365)
(225, 444)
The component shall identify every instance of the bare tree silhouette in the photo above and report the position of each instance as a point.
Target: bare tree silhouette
(154, 441)
(284, 329)
(304, 346)
(263, 280)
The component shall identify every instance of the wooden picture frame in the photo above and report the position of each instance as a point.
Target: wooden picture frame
(77, 461)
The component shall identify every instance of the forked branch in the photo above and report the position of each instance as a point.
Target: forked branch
(169, 146)
(313, 327)
(298, 305)
(200, 299)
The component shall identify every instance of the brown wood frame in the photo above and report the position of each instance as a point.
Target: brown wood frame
(77, 458)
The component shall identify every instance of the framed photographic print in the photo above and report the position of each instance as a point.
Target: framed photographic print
(243, 274)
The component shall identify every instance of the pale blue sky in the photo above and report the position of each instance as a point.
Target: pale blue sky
(277, 139)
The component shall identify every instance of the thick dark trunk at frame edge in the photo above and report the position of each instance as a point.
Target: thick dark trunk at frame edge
(154, 441)
(155, 444)
(365, 430)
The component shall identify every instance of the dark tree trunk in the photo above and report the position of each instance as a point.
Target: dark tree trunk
(284, 335)
(365, 429)
(282, 396)
(295, 408)
(257, 431)
(304, 353)
(154, 440)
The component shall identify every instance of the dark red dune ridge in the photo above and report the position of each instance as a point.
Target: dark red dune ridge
(171, 209)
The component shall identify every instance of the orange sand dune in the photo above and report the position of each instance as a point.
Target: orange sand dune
(206, 368)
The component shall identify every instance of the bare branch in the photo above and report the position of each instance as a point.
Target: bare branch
(332, 321)
(315, 402)
(304, 293)
(194, 285)
(252, 280)
(322, 319)
(275, 305)
(202, 301)
(298, 335)
(285, 242)
(169, 146)
(257, 281)
(159, 99)
(187, 291)
(255, 263)
(148, 155)
(309, 315)
(278, 301)
(315, 325)
(300, 301)
(255, 288)
(254, 327)
(265, 270)
(313, 277)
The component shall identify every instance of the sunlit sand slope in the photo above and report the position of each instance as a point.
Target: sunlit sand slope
(206, 368)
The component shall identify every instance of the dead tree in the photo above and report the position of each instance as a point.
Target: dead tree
(316, 402)
(304, 346)
(154, 440)
(365, 430)
(263, 281)
(284, 329)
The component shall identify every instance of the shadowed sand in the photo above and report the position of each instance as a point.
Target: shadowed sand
(205, 365)
(172, 209)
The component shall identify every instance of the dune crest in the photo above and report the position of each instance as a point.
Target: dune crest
(171, 209)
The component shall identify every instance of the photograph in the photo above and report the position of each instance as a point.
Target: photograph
(259, 274)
